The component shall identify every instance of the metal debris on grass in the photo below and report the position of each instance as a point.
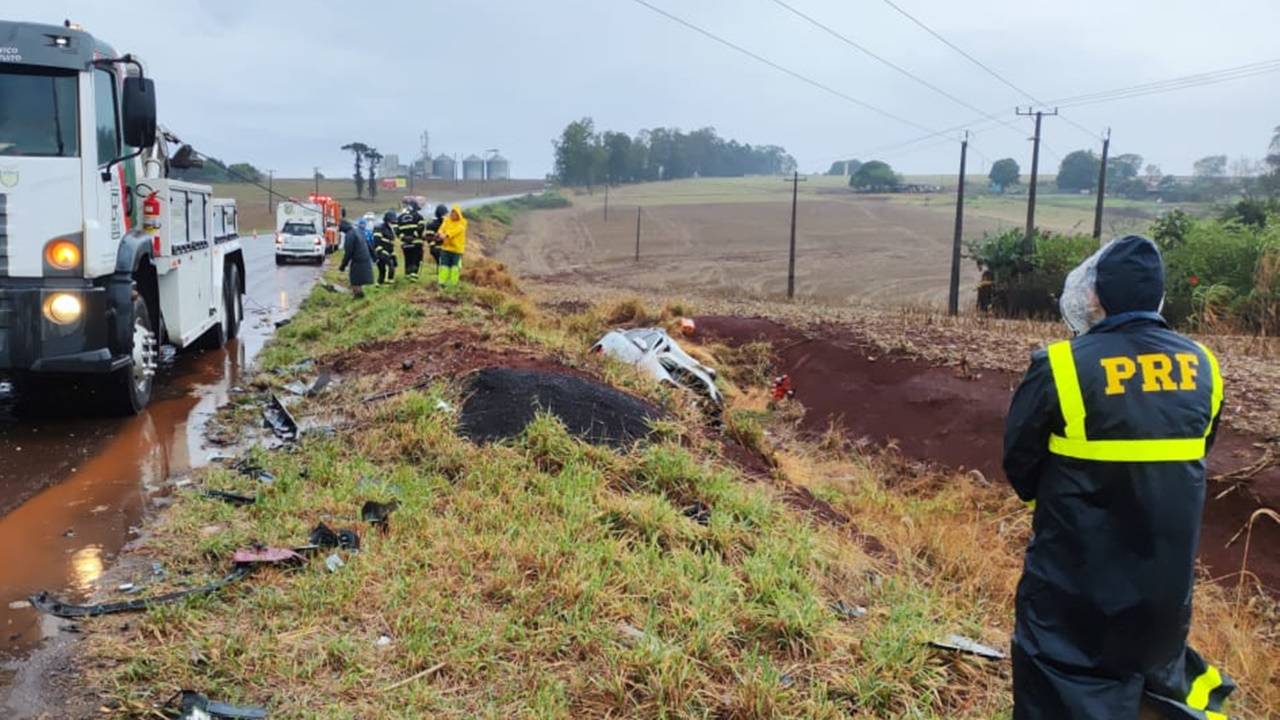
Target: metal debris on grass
(230, 497)
(847, 611)
(192, 705)
(325, 537)
(277, 417)
(959, 643)
(698, 512)
(377, 513)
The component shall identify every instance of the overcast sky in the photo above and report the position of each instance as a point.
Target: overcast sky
(283, 84)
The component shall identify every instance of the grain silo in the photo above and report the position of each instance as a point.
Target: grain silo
(472, 168)
(444, 167)
(497, 168)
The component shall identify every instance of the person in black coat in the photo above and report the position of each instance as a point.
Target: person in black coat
(1106, 439)
(355, 255)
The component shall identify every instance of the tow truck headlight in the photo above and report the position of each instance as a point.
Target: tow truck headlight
(62, 254)
(62, 308)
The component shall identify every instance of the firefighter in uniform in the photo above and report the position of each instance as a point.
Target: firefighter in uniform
(410, 228)
(384, 248)
(1106, 439)
(434, 240)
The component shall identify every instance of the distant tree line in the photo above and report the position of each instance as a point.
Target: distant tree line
(585, 157)
(1213, 177)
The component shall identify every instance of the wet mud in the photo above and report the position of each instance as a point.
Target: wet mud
(954, 417)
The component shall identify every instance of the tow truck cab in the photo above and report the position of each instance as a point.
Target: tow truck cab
(102, 255)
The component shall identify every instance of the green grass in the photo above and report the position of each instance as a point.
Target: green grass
(546, 578)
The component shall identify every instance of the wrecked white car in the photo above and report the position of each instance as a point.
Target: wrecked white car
(653, 350)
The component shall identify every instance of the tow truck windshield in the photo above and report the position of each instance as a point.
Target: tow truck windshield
(297, 228)
(38, 112)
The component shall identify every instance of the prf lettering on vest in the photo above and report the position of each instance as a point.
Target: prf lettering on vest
(1157, 372)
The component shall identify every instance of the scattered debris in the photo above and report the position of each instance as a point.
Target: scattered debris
(959, 643)
(248, 557)
(47, 604)
(688, 327)
(378, 513)
(502, 401)
(325, 537)
(316, 386)
(281, 323)
(786, 680)
(782, 388)
(333, 562)
(698, 512)
(443, 406)
(382, 641)
(278, 418)
(19, 605)
(126, 587)
(230, 497)
(194, 706)
(847, 611)
(406, 364)
(654, 352)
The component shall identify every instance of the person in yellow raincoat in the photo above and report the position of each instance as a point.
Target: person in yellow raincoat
(453, 233)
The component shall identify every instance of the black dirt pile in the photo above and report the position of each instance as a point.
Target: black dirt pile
(501, 402)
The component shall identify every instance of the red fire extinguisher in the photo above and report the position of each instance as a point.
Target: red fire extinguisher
(151, 220)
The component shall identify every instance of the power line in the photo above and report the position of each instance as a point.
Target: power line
(983, 65)
(850, 42)
(803, 78)
(1183, 83)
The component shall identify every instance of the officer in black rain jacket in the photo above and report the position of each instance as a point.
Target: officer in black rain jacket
(1106, 439)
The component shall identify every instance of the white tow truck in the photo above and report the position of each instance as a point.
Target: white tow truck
(103, 257)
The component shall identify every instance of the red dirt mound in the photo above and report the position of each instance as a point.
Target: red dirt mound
(945, 416)
(445, 354)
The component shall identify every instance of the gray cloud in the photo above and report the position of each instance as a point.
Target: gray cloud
(284, 84)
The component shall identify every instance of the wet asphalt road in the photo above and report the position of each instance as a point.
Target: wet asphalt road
(74, 490)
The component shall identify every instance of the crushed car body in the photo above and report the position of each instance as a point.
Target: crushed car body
(653, 351)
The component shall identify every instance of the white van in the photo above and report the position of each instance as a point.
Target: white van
(299, 232)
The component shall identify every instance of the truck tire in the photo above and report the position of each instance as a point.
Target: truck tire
(232, 301)
(279, 259)
(128, 390)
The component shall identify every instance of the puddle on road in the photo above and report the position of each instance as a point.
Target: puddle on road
(101, 473)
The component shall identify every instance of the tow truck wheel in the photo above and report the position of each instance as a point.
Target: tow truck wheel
(232, 302)
(129, 389)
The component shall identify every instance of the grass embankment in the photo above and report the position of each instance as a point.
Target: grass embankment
(547, 578)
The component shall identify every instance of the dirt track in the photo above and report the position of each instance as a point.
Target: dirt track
(944, 416)
(848, 248)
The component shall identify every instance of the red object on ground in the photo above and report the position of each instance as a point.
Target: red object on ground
(782, 387)
(932, 414)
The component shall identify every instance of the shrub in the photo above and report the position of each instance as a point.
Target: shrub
(1027, 285)
(1223, 276)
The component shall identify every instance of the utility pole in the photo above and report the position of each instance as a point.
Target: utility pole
(271, 177)
(1028, 241)
(1102, 187)
(791, 262)
(606, 201)
(953, 298)
(637, 234)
